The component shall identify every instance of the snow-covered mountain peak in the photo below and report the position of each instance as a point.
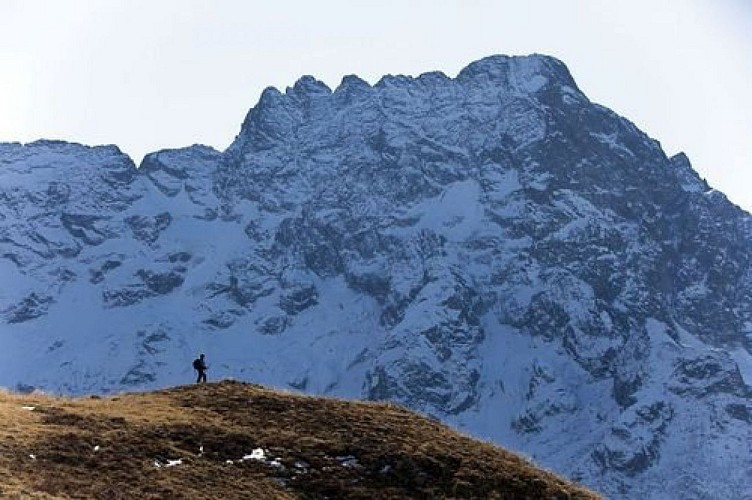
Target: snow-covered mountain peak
(66, 176)
(493, 85)
(64, 152)
(492, 249)
(524, 74)
(350, 83)
(307, 87)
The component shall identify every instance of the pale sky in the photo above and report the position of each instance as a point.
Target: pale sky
(150, 74)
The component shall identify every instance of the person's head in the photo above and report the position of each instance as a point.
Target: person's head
(201, 356)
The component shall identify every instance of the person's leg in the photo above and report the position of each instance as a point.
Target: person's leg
(198, 379)
(202, 377)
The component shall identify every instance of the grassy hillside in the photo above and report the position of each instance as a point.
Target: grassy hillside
(238, 440)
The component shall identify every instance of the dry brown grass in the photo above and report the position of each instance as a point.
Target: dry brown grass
(399, 454)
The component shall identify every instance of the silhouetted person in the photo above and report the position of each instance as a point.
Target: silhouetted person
(199, 364)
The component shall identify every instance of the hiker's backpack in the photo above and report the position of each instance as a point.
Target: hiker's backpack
(197, 364)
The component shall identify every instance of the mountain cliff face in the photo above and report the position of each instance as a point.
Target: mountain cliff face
(493, 249)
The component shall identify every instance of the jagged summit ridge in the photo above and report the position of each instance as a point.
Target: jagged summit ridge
(501, 69)
(280, 113)
(492, 249)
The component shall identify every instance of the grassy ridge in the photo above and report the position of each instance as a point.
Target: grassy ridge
(120, 447)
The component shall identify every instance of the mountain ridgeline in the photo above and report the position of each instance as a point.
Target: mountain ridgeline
(494, 250)
(237, 441)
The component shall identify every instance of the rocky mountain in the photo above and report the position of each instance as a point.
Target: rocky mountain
(494, 250)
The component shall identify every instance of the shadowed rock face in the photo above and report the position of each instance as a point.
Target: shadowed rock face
(28, 308)
(492, 249)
